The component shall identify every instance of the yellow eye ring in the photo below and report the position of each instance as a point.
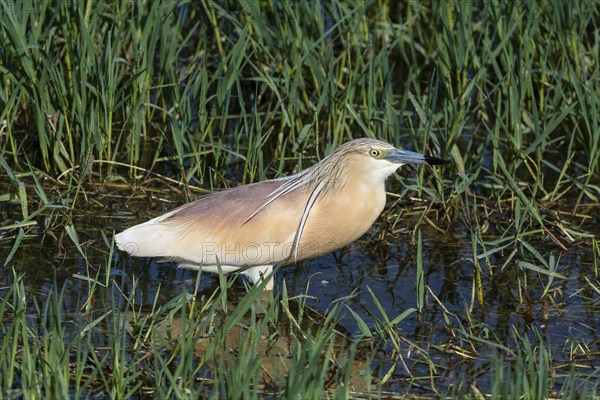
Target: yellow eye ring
(374, 153)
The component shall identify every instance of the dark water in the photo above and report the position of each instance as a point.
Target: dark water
(514, 306)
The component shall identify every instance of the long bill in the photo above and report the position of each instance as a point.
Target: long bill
(410, 157)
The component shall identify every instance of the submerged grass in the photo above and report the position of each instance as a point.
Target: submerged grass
(189, 96)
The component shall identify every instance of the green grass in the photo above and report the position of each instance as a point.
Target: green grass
(106, 101)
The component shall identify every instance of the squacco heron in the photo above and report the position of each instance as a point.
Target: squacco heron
(253, 227)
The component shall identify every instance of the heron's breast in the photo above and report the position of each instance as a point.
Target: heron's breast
(339, 219)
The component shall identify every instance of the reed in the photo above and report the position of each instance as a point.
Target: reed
(107, 103)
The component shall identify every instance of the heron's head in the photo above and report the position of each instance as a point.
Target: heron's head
(377, 157)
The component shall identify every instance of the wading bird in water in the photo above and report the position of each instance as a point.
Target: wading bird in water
(253, 227)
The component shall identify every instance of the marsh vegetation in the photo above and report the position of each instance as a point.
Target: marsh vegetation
(480, 279)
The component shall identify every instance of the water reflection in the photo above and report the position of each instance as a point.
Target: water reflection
(514, 299)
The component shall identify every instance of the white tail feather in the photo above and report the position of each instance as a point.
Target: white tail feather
(150, 239)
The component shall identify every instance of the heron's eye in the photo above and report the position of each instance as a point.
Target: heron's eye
(374, 153)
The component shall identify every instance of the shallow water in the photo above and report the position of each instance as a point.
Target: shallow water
(567, 314)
